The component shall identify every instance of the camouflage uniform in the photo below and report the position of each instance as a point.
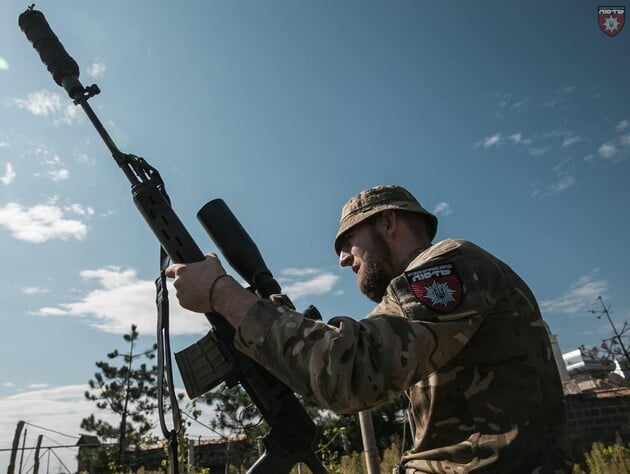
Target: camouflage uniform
(462, 335)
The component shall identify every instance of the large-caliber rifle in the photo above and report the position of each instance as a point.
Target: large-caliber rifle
(213, 359)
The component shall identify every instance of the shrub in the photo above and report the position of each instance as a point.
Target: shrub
(603, 459)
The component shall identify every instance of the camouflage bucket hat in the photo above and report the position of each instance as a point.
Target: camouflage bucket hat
(374, 200)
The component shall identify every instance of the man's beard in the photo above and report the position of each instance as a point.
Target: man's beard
(377, 270)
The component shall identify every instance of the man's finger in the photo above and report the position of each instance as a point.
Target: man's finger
(173, 270)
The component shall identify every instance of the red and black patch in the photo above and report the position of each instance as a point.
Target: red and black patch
(439, 287)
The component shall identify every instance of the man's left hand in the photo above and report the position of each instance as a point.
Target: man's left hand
(193, 282)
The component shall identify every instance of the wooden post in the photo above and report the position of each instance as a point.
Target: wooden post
(16, 443)
(39, 444)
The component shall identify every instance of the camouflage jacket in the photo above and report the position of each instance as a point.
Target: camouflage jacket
(462, 335)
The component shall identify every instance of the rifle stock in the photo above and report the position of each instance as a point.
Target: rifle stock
(292, 433)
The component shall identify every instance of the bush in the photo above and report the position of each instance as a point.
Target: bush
(391, 457)
(603, 459)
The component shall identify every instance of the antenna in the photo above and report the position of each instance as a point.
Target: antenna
(605, 310)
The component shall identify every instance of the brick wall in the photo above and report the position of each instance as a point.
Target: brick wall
(599, 415)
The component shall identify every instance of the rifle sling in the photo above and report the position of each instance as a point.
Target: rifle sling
(165, 368)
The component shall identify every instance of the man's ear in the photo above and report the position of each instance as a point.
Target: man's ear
(389, 221)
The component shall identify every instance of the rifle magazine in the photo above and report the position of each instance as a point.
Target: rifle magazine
(203, 366)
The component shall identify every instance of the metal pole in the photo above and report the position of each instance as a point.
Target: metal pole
(369, 443)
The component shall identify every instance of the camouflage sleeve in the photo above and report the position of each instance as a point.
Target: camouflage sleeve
(428, 314)
(348, 365)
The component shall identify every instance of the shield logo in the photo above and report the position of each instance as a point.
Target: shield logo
(611, 19)
(439, 288)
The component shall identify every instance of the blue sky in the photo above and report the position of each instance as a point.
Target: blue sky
(511, 121)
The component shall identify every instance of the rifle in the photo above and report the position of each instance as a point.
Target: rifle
(213, 359)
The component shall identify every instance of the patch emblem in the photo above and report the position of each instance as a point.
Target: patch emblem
(438, 288)
(611, 19)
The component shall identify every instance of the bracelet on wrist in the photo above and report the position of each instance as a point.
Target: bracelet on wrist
(214, 283)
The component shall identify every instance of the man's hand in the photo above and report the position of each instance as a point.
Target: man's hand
(193, 282)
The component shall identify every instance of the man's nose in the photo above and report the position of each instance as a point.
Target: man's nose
(345, 259)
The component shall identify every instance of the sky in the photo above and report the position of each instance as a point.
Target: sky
(509, 120)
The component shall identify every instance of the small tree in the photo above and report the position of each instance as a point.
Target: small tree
(128, 392)
(235, 413)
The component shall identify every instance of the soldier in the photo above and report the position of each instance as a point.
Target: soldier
(454, 328)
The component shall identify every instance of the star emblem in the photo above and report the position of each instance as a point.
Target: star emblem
(611, 24)
(439, 293)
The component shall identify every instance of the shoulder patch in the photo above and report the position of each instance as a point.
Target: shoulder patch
(439, 287)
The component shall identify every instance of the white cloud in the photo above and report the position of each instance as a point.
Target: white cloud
(560, 96)
(498, 140)
(564, 180)
(40, 223)
(579, 297)
(122, 299)
(57, 169)
(55, 413)
(508, 101)
(607, 150)
(40, 103)
(615, 149)
(85, 159)
(47, 103)
(9, 174)
(442, 208)
(520, 104)
(551, 103)
(561, 168)
(492, 140)
(80, 210)
(568, 138)
(96, 69)
(300, 283)
(571, 140)
(68, 115)
(300, 272)
(317, 285)
(563, 183)
(33, 290)
(59, 175)
(539, 151)
(54, 161)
